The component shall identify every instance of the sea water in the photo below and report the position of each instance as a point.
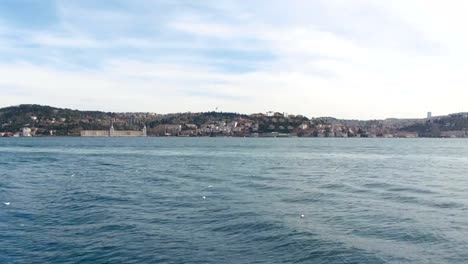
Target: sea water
(233, 200)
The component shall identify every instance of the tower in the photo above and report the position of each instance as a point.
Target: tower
(111, 129)
(429, 115)
(144, 131)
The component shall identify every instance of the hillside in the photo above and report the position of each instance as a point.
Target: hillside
(47, 120)
(453, 125)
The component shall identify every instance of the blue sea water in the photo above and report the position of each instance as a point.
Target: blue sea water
(233, 200)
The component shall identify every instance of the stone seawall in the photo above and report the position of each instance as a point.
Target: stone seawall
(94, 133)
(127, 133)
(106, 133)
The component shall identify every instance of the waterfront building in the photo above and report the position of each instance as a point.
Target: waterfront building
(95, 133)
(114, 133)
(26, 132)
(191, 126)
(454, 134)
(172, 130)
(406, 134)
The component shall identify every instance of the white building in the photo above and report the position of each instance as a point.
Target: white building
(304, 126)
(26, 132)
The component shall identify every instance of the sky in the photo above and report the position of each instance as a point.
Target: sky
(360, 59)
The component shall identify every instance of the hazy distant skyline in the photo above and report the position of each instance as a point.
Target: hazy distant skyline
(360, 59)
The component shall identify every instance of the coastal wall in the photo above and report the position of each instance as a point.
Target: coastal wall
(127, 133)
(94, 133)
(113, 133)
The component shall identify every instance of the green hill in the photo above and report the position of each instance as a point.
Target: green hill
(46, 118)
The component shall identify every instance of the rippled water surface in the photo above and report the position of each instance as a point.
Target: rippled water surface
(233, 200)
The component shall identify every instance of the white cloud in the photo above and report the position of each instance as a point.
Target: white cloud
(367, 59)
(208, 29)
(54, 40)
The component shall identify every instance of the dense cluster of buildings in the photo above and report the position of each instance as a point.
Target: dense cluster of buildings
(280, 125)
(46, 121)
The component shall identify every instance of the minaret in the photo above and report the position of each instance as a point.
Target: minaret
(111, 129)
(144, 130)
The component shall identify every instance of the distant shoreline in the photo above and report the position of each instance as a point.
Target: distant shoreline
(176, 137)
(38, 120)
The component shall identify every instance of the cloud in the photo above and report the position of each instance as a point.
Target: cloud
(50, 40)
(365, 59)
